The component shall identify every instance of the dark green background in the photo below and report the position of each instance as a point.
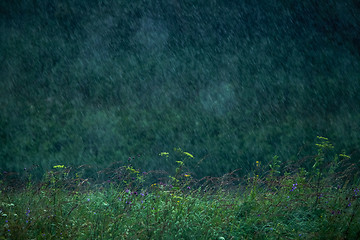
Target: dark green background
(233, 82)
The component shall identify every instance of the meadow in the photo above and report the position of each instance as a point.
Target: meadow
(96, 94)
(272, 202)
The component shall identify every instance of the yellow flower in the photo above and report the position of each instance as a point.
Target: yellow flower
(59, 166)
(177, 197)
(187, 175)
(322, 138)
(188, 154)
(164, 154)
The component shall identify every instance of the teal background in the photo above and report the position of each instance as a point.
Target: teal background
(231, 82)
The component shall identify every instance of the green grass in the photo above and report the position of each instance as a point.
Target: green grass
(314, 204)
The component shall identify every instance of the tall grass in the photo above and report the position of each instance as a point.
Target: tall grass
(272, 202)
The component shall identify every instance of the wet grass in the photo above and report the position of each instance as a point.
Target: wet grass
(315, 204)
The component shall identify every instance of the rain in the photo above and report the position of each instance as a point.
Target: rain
(179, 119)
(231, 82)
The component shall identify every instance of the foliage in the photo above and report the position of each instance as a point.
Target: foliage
(272, 206)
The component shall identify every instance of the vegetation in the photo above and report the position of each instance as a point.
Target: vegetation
(270, 203)
(93, 91)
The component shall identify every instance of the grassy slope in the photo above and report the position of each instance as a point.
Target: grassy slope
(315, 204)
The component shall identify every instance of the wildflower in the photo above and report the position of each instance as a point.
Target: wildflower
(293, 187)
(166, 154)
(356, 191)
(59, 166)
(188, 154)
(322, 138)
(187, 175)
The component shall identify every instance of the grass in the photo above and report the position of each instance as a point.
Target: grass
(315, 204)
